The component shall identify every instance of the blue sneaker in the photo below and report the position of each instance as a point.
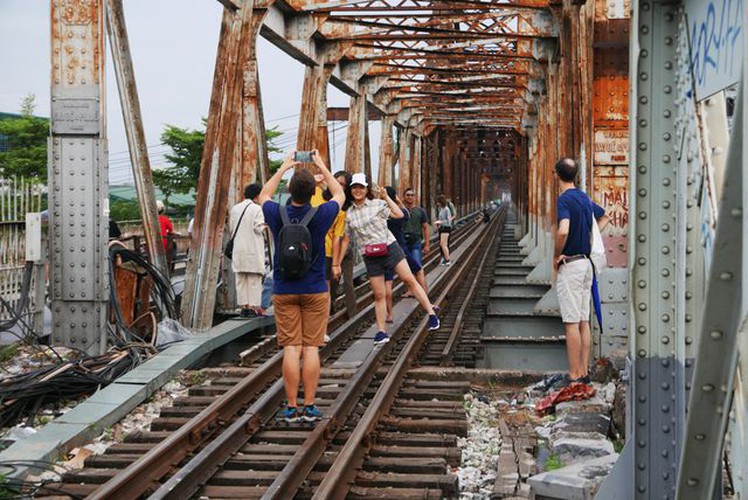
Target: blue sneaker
(312, 414)
(381, 338)
(290, 415)
(434, 323)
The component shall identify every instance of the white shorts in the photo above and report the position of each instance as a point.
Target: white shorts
(248, 289)
(573, 286)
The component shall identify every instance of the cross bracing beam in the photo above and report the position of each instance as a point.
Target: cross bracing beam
(409, 5)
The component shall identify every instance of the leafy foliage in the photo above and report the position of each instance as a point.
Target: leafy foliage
(124, 210)
(186, 152)
(26, 138)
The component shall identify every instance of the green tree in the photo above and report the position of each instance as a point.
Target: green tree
(25, 138)
(121, 210)
(186, 152)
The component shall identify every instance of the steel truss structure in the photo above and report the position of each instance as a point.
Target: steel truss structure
(478, 99)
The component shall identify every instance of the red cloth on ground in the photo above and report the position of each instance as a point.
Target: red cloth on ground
(573, 392)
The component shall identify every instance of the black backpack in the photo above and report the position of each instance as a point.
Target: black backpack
(295, 245)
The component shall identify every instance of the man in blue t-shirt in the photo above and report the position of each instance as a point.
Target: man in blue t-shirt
(302, 307)
(575, 213)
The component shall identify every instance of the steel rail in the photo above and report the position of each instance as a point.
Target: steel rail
(194, 474)
(295, 472)
(144, 473)
(456, 332)
(343, 470)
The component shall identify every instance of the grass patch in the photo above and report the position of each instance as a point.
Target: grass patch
(553, 463)
(8, 352)
(618, 445)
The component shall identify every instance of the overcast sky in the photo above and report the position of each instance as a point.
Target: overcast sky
(173, 48)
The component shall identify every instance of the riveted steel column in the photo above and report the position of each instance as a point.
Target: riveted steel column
(313, 130)
(250, 154)
(78, 177)
(657, 371)
(387, 152)
(724, 318)
(141, 166)
(404, 178)
(416, 164)
(223, 147)
(355, 146)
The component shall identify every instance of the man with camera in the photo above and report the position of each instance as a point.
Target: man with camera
(300, 294)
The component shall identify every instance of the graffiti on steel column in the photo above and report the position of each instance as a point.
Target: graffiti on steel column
(717, 37)
(611, 191)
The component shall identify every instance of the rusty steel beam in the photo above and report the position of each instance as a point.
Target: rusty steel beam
(138, 149)
(356, 6)
(405, 158)
(341, 114)
(355, 148)
(313, 130)
(387, 152)
(223, 146)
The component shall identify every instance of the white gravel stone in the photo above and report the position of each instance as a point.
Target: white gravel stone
(480, 449)
(608, 392)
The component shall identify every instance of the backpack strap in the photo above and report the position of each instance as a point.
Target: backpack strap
(285, 221)
(308, 216)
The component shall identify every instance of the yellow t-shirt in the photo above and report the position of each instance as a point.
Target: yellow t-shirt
(317, 198)
(337, 230)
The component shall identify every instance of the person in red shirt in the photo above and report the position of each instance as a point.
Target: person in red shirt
(167, 228)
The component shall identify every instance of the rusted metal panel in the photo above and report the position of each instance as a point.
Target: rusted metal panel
(611, 147)
(138, 149)
(611, 88)
(612, 21)
(611, 193)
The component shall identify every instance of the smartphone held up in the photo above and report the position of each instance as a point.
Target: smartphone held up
(304, 156)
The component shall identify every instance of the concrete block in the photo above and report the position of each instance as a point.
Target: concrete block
(575, 448)
(117, 394)
(579, 481)
(594, 405)
(105, 407)
(46, 445)
(583, 422)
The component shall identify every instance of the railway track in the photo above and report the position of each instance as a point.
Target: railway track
(186, 427)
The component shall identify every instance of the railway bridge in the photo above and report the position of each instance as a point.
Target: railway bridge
(477, 100)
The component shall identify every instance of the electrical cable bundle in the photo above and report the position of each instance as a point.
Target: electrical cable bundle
(162, 294)
(21, 396)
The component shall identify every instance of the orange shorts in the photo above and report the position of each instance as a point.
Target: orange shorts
(301, 319)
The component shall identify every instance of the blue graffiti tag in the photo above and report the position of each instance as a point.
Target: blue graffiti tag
(716, 45)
